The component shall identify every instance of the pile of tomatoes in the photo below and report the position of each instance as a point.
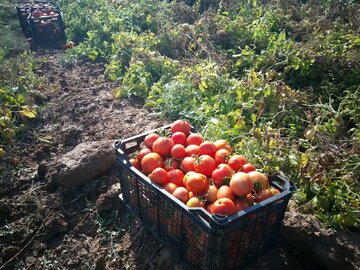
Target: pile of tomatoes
(201, 173)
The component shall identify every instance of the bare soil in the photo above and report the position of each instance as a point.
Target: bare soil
(46, 226)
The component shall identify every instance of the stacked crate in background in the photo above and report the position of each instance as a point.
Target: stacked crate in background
(42, 22)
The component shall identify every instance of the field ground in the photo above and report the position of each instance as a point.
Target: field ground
(52, 227)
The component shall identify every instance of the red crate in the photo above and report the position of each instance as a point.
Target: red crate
(201, 240)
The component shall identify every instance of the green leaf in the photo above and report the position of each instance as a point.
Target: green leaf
(203, 83)
(253, 118)
(93, 54)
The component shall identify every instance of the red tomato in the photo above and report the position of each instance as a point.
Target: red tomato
(248, 168)
(195, 202)
(249, 198)
(225, 192)
(196, 182)
(178, 151)
(37, 14)
(207, 148)
(208, 207)
(274, 191)
(263, 195)
(163, 146)
(150, 139)
(176, 176)
(180, 125)
(222, 156)
(223, 144)
(222, 173)
(182, 194)
(240, 204)
(194, 138)
(259, 179)
(241, 184)
(205, 165)
(159, 176)
(171, 163)
(192, 150)
(237, 162)
(150, 162)
(179, 138)
(142, 153)
(223, 206)
(134, 163)
(211, 194)
(187, 164)
(170, 187)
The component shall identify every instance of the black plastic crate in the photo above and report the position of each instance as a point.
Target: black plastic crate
(23, 13)
(201, 240)
(48, 29)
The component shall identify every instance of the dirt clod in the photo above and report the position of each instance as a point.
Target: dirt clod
(9, 252)
(85, 162)
(4, 207)
(42, 170)
(55, 225)
(109, 199)
(329, 248)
